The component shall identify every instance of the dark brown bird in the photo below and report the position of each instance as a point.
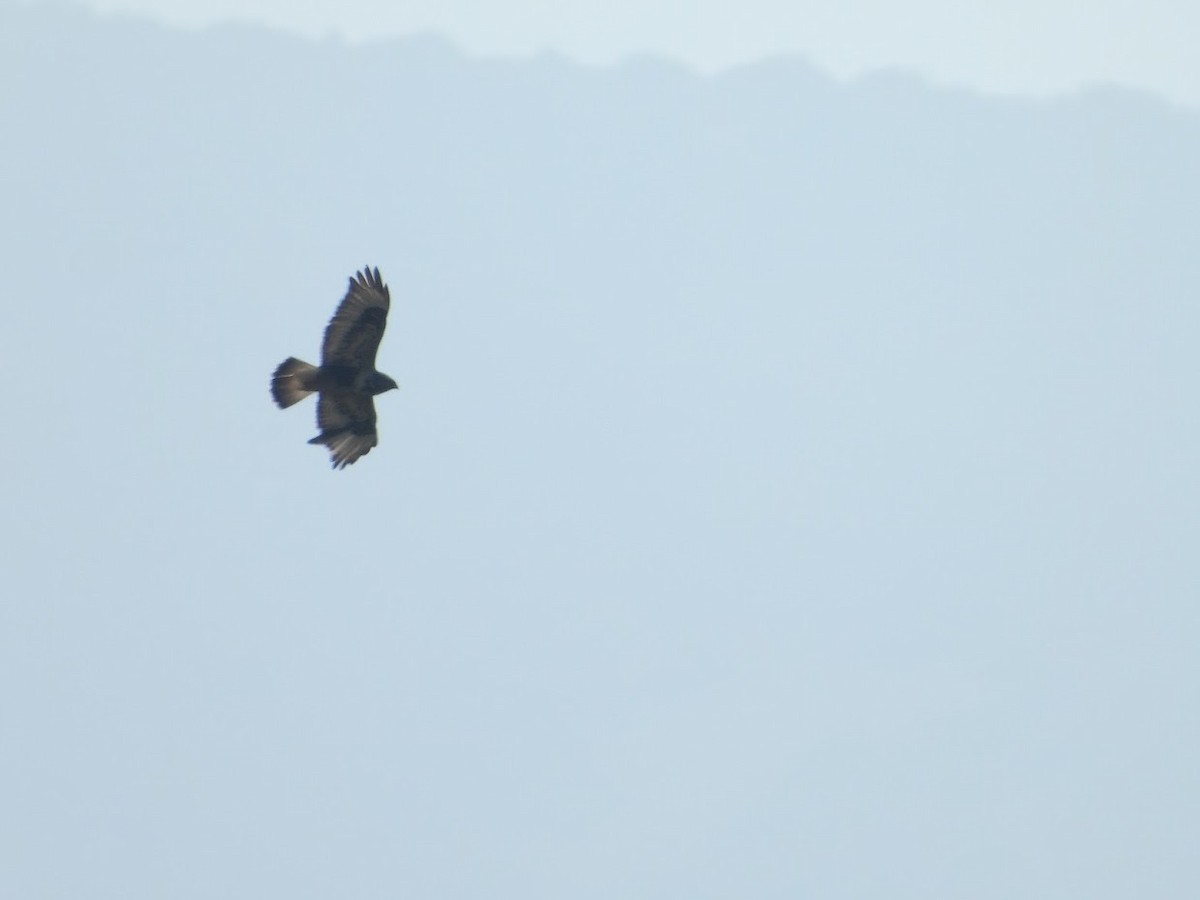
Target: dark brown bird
(346, 380)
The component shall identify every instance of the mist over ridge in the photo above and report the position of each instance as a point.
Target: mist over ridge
(791, 490)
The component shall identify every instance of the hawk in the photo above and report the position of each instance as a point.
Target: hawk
(346, 380)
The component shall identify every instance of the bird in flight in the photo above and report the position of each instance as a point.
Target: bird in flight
(346, 381)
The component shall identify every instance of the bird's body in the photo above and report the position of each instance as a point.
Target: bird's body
(346, 381)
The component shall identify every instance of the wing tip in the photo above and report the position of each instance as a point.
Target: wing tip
(346, 445)
(369, 278)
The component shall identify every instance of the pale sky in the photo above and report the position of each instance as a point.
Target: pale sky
(1022, 46)
(791, 492)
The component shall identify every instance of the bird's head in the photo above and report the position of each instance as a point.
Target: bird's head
(380, 383)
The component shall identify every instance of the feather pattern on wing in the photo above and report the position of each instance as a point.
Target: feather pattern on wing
(355, 330)
(347, 423)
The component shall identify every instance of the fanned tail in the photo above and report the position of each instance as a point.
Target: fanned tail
(288, 384)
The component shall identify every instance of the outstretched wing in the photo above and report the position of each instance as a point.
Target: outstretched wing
(353, 334)
(347, 423)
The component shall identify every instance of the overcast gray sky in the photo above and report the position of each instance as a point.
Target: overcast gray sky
(1027, 46)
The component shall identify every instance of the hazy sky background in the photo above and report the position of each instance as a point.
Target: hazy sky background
(1026, 46)
(791, 492)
